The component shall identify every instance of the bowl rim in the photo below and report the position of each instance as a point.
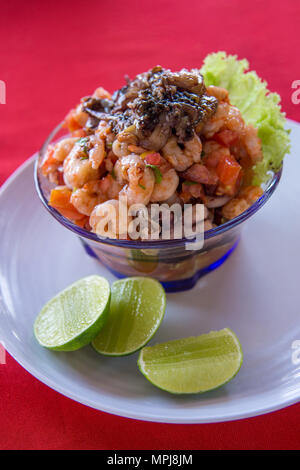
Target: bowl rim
(154, 244)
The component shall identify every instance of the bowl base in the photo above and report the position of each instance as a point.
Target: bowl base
(178, 285)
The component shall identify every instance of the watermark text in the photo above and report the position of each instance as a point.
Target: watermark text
(296, 94)
(2, 92)
(2, 354)
(296, 352)
(115, 219)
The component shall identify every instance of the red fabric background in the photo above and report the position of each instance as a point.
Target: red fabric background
(51, 54)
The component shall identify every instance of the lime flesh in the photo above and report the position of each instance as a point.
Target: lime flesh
(75, 316)
(193, 365)
(136, 311)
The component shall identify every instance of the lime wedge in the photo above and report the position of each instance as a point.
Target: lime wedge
(136, 311)
(193, 365)
(75, 316)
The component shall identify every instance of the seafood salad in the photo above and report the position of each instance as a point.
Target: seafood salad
(208, 136)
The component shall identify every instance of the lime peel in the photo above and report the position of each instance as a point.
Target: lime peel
(136, 311)
(193, 365)
(75, 316)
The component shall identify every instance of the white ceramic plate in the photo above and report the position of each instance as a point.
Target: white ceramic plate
(255, 292)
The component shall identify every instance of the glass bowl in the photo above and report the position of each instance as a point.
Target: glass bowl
(168, 261)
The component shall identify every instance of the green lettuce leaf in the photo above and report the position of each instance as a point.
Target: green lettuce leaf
(258, 105)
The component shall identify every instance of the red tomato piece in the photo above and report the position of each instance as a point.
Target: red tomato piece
(60, 200)
(226, 137)
(229, 172)
(153, 159)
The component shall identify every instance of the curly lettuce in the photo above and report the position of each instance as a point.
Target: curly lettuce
(258, 105)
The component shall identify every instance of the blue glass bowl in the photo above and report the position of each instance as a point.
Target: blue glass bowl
(168, 261)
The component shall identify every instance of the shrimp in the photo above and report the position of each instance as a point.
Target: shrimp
(120, 149)
(110, 187)
(97, 152)
(110, 161)
(63, 148)
(123, 140)
(220, 93)
(216, 123)
(55, 156)
(166, 188)
(95, 192)
(139, 180)
(105, 220)
(82, 163)
(181, 159)
(87, 197)
(136, 149)
(245, 199)
(101, 93)
(103, 128)
(105, 133)
(234, 207)
(234, 120)
(226, 117)
(251, 193)
(252, 143)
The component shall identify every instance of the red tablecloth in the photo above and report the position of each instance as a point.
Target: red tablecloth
(52, 53)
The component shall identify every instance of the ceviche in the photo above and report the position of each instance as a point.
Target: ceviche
(208, 136)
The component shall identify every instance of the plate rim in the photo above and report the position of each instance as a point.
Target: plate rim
(252, 411)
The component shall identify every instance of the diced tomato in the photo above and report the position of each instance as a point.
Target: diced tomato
(152, 158)
(213, 157)
(70, 122)
(82, 222)
(229, 172)
(48, 161)
(60, 199)
(226, 137)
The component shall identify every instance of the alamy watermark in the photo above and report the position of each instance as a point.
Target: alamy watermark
(296, 94)
(2, 354)
(2, 92)
(296, 352)
(115, 219)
